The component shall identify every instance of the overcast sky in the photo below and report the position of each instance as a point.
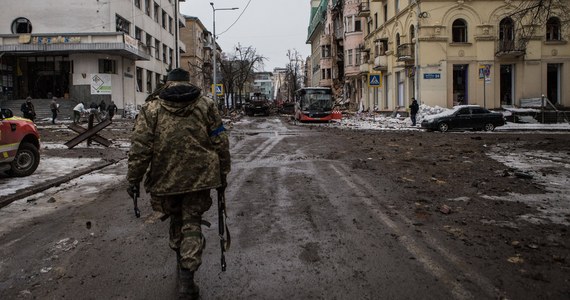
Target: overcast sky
(270, 26)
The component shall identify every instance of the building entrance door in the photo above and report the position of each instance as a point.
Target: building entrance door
(507, 75)
(460, 95)
(553, 82)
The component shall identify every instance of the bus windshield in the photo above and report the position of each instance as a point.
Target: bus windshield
(315, 100)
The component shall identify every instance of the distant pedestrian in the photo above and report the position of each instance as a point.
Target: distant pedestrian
(414, 108)
(77, 111)
(28, 109)
(94, 110)
(54, 106)
(111, 109)
(102, 106)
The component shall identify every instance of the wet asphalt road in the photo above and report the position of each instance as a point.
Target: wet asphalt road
(304, 225)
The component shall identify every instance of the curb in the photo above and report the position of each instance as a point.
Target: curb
(6, 200)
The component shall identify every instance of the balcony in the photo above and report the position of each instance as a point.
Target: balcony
(405, 52)
(380, 63)
(509, 49)
(364, 9)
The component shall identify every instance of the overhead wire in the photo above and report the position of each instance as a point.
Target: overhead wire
(242, 12)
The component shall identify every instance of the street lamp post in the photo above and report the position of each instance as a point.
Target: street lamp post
(215, 48)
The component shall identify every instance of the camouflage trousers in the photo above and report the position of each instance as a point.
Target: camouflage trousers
(185, 212)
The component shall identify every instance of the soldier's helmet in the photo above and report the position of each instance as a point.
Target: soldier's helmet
(178, 74)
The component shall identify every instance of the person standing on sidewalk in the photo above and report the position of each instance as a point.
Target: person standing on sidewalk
(180, 143)
(414, 108)
(54, 107)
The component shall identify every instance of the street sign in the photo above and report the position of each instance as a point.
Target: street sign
(375, 80)
(219, 89)
(485, 72)
(432, 76)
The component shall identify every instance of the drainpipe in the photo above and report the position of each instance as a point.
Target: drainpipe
(417, 52)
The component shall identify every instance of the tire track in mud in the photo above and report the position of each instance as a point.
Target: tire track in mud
(419, 249)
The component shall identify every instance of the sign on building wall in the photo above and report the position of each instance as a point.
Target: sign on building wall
(375, 80)
(432, 76)
(100, 84)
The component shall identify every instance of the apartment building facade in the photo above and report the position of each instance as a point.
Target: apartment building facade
(449, 52)
(198, 57)
(88, 50)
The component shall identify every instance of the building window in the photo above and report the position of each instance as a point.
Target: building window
(157, 49)
(157, 80)
(398, 42)
(397, 6)
(138, 4)
(122, 24)
(358, 25)
(459, 31)
(107, 66)
(326, 51)
(170, 56)
(147, 7)
(138, 34)
(148, 81)
(164, 19)
(156, 12)
(21, 25)
(506, 34)
(164, 53)
(412, 33)
(553, 29)
(358, 56)
(349, 57)
(375, 20)
(385, 12)
(170, 25)
(349, 24)
(148, 43)
(139, 79)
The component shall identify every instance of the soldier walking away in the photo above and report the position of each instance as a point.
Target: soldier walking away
(414, 108)
(28, 109)
(54, 107)
(111, 109)
(179, 137)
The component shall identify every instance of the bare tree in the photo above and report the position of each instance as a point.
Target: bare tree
(530, 17)
(293, 73)
(237, 71)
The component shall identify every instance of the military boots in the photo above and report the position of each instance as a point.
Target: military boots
(187, 288)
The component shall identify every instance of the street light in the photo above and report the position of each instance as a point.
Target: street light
(215, 49)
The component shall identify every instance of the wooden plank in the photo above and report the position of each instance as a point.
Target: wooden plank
(87, 134)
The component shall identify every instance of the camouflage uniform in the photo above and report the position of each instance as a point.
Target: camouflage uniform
(179, 142)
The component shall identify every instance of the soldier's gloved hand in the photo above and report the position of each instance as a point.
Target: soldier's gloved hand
(134, 189)
(224, 181)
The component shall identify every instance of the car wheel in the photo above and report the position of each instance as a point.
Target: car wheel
(489, 127)
(443, 127)
(26, 161)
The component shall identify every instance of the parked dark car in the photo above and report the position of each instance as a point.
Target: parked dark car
(464, 117)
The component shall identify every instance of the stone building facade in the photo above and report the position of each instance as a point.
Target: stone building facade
(449, 52)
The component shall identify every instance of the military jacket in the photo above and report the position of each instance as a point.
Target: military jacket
(179, 142)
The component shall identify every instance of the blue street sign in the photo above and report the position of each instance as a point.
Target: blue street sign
(432, 76)
(374, 80)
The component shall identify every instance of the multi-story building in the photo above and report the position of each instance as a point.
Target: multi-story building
(198, 57)
(88, 50)
(263, 84)
(442, 53)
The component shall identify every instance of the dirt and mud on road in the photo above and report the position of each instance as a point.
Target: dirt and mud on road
(317, 212)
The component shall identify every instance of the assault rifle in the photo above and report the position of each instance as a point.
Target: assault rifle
(223, 226)
(136, 203)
